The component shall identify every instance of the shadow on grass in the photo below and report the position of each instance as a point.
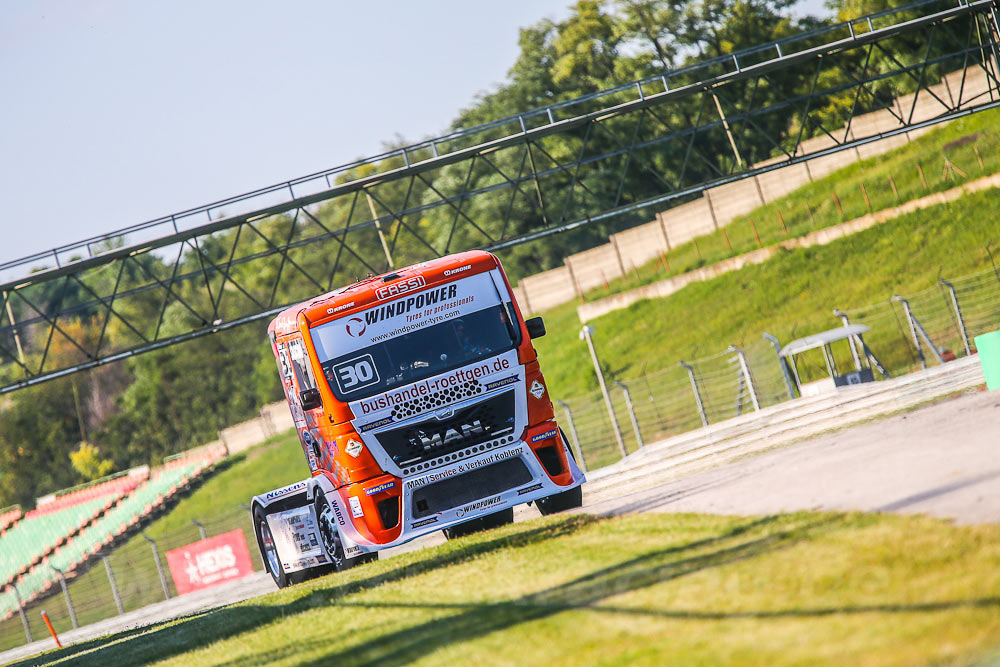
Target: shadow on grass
(746, 540)
(166, 640)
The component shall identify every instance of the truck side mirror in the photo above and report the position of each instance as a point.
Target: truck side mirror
(536, 327)
(309, 399)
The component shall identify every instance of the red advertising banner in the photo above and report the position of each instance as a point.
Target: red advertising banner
(210, 562)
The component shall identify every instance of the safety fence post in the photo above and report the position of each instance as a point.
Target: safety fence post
(917, 328)
(201, 528)
(586, 334)
(159, 566)
(114, 586)
(578, 448)
(631, 412)
(958, 316)
(69, 600)
(20, 611)
(697, 394)
(783, 364)
(747, 378)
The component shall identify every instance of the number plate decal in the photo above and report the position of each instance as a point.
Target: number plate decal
(356, 373)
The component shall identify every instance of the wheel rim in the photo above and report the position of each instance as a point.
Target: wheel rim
(327, 532)
(270, 551)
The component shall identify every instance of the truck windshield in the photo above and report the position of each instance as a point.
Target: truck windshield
(420, 354)
(415, 336)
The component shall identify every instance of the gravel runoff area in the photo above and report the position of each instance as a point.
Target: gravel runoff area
(941, 459)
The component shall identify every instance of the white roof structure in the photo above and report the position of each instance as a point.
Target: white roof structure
(821, 339)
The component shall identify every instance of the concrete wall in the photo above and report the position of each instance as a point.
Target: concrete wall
(720, 205)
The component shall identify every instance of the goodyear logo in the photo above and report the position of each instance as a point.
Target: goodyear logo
(401, 287)
(544, 436)
(385, 486)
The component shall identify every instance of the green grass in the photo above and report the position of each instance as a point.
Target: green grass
(789, 296)
(216, 503)
(813, 206)
(800, 588)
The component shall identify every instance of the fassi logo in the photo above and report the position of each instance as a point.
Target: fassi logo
(356, 327)
(402, 287)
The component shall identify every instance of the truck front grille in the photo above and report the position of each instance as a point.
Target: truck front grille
(464, 489)
(449, 431)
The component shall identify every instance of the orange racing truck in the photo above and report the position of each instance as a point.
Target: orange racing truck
(420, 406)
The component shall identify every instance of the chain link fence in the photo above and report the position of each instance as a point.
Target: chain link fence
(907, 333)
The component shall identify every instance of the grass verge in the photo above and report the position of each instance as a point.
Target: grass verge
(650, 589)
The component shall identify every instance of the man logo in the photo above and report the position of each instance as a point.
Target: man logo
(443, 413)
(356, 327)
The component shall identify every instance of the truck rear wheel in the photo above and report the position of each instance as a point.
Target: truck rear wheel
(495, 520)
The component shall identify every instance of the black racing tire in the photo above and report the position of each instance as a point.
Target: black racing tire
(268, 550)
(560, 502)
(488, 522)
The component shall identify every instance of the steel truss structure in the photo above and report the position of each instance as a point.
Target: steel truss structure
(627, 151)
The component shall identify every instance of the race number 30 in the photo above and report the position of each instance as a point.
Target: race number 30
(356, 373)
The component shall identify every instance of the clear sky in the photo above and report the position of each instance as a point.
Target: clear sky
(117, 112)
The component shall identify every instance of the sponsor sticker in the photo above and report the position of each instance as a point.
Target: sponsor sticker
(439, 475)
(528, 489)
(544, 436)
(400, 287)
(503, 382)
(376, 424)
(384, 486)
(337, 309)
(339, 515)
(285, 490)
(354, 447)
(424, 522)
(537, 389)
(356, 510)
(451, 272)
(352, 551)
(480, 505)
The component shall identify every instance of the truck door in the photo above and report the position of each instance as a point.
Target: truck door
(305, 421)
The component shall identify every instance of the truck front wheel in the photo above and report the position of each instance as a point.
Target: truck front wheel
(331, 537)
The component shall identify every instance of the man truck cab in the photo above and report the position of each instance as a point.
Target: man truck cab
(420, 406)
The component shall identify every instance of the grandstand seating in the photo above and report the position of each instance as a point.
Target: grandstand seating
(61, 540)
(9, 516)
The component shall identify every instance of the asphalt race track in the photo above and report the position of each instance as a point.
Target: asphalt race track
(942, 459)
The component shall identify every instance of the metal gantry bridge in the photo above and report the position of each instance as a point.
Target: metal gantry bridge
(573, 165)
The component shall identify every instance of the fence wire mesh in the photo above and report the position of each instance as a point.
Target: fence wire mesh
(135, 575)
(667, 402)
